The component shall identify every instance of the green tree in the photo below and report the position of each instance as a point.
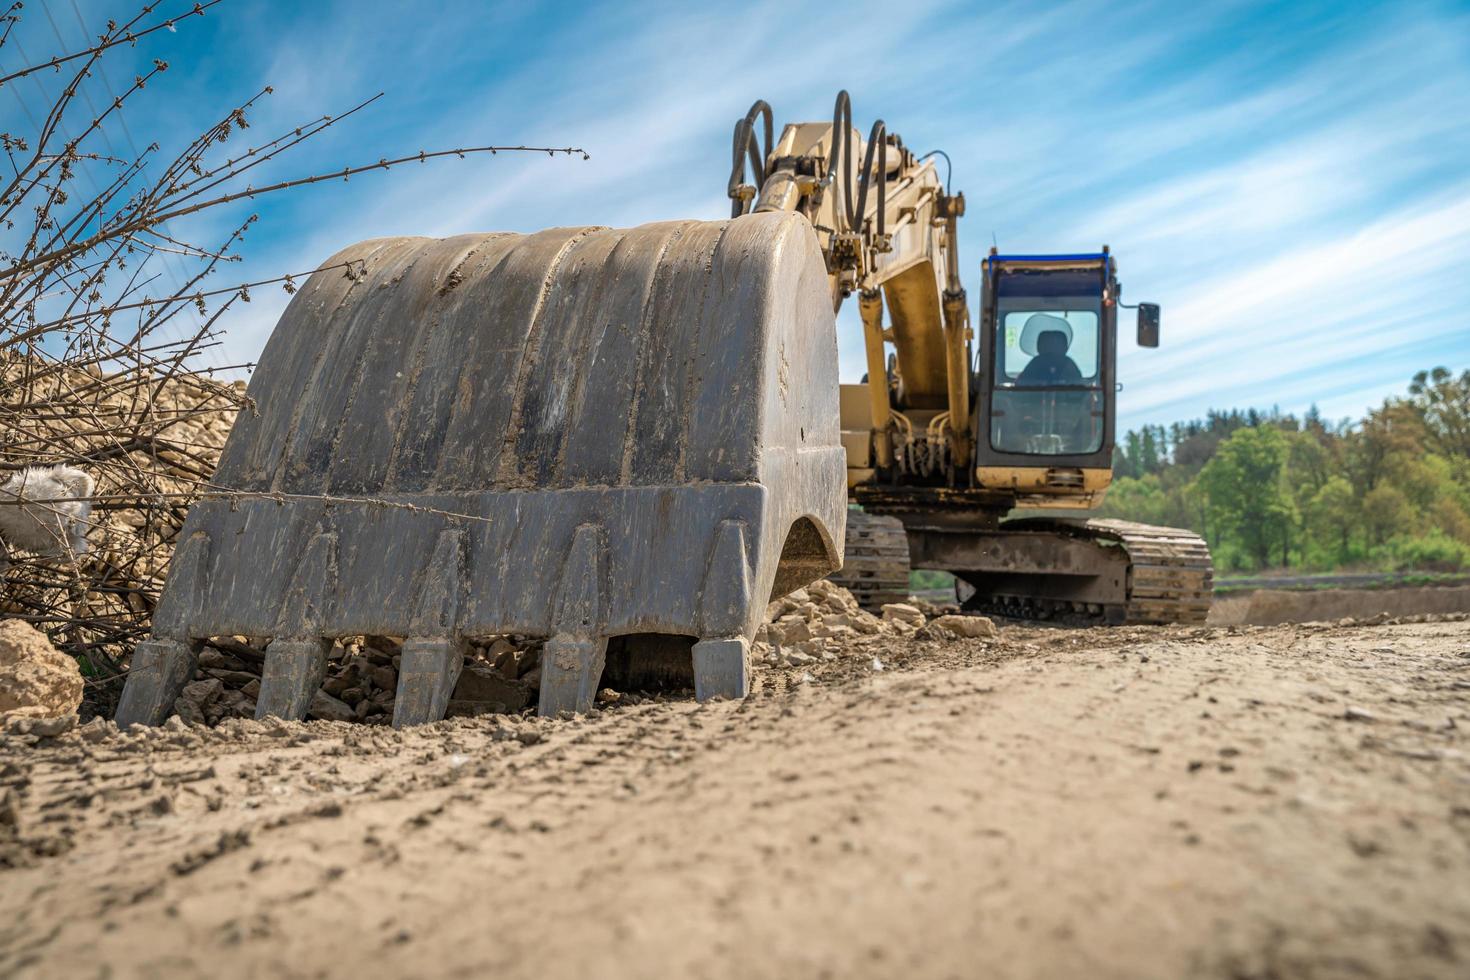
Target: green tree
(1334, 511)
(1141, 500)
(1386, 512)
(1309, 466)
(1246, 489)
(1393, 487)
(1443, 402)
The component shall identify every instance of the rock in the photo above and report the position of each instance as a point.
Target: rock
(36, 679)
(528, 661)
(795, 600)
(385, 678)
(376, 658)
(785, 635)
(812, 648)
(234, 704)
(484, 685)
(833, 597)
(1358, 714)
(324, 707)
(966, 626)
(193, 702)
(251, 690)
(96, 730)
(212, 659)
(386, 646)
(18, 724)
(902, 612)
(500, 647)
(10, 809)
(232, 678)
(504, 663)
(354, 695)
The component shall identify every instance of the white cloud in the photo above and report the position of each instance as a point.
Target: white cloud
(1301, 213)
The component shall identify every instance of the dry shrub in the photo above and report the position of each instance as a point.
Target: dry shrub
(108, 306)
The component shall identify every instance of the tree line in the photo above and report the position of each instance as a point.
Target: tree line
(1267, 489)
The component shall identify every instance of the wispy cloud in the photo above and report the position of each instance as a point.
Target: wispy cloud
(1289, 180)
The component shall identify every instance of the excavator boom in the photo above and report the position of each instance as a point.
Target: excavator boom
(943, 439)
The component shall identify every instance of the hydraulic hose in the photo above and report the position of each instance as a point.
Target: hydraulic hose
(854, 207)
(748, 148)
(842, 157)
(877, 139)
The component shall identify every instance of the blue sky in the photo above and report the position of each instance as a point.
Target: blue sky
(1291, 181)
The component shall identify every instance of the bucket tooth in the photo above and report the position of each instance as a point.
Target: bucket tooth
(433, 654)
(162, 665)
(573, 658)
(427, 674)
(294, 670)
(722, 657)
(159, 671)
(722, 668)
(296, 660)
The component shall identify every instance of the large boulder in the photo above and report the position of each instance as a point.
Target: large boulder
(36, 679)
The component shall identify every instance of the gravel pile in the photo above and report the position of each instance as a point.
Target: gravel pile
(823, 622)
(501, 675)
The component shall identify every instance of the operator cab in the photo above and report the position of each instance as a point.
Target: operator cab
(1046, 373)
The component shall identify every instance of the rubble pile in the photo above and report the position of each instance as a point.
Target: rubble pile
(824, 622)
(502, 674)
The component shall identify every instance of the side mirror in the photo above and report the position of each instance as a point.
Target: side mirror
(1148, 324)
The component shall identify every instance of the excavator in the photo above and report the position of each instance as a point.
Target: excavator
(943, 441)
(625, 442)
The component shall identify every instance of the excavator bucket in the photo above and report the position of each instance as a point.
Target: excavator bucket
(578, 434)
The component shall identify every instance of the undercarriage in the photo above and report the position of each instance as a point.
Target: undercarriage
(1064, 570)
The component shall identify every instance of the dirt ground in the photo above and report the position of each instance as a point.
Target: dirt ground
(1223, 802)
(1272, 607)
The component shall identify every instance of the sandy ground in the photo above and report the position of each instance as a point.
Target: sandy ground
(1244, 802)
(1273, 607)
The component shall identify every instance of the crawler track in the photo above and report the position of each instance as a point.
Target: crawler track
(1170, 576)
(875, 564)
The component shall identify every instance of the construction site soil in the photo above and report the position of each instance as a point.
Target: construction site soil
(1288, 801)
